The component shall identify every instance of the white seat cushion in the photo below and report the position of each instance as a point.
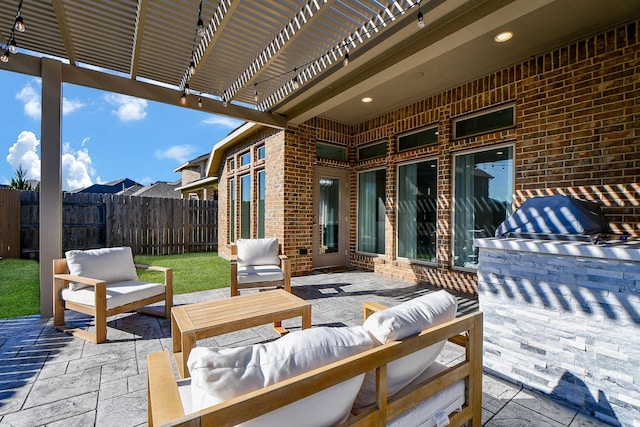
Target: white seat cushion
(219, 374)
(109, 264)
(118, 294)
(402, 321)
(258, 251)
(259, 273)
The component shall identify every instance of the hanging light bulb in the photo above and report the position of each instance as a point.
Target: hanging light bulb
(5, 56)
(200, 102)
(19, 24)
(345, 62)
(255, 93)
(295, 82)
(187, 89)
(192, 67)
(420, 18)
(200, 27)
(183, 99)
(13, 46)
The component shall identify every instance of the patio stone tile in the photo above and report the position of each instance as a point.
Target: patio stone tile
(52, 370)
(110, 389)
(82, 420)
(137, 382)
(583, 420)
(496, 393)
(123, 411)
(120, 369)
(548, 407)
(11, 400)
(64, 387)
(515, 415)
(55, 411)
(107, 355)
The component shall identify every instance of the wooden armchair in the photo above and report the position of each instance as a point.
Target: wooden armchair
(102, 283)
(259, 263)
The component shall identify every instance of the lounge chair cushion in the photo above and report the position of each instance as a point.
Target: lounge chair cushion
(118, 294)
(259, 273)
(258, 251)
(108, 264)
(219, 374)
(402, 321)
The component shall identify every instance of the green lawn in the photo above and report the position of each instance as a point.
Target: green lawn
(20, 289)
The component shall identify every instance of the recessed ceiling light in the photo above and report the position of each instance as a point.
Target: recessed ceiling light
(503, 36)
(366, 99)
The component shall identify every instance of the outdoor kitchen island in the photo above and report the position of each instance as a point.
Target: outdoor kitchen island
(563, 318)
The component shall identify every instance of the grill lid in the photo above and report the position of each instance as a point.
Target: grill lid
(556, 214)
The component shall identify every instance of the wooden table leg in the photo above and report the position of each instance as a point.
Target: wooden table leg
(306, 317)
(188, 343)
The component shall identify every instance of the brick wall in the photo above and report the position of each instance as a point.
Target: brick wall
(566, 325)
(577, 133)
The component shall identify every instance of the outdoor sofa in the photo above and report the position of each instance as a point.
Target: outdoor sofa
(381, 373)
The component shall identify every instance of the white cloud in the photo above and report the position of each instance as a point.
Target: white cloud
(24, 153)
(31, 100)
(32, 107)
(146, 180)
(180, 153)
(227, 122)
(71, 105)
(128, 107)
(77, 168)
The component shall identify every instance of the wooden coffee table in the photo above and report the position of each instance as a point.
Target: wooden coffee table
(206, 319)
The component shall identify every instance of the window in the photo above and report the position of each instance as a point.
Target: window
(372, 151)
(245, 159)
(232, 164)
(245, 207)
(421, 138)
(232, 210)
(485, 122)
(261, 152)
(331, 151)
(483, 199)
(260, 176)
(417, 210)
(371, 211)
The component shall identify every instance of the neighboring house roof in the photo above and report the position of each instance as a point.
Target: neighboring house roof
(109, 187)
(160, 189)
(130, 191)
(193, 163)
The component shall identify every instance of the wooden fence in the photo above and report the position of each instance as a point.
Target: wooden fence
(151, 226)
(9, 223)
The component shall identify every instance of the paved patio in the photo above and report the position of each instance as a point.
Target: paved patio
(50, 378)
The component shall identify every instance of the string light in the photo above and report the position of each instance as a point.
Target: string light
(295, 82)
(11, 46)
(345, 61)
(18, 25)
(200, 101)
(183, 98)
(187, 89)
(255, 93)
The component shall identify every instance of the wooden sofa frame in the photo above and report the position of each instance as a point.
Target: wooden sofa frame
(285, 265)
(165, 406)
(61, 280)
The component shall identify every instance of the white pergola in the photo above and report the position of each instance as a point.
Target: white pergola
(274, 62)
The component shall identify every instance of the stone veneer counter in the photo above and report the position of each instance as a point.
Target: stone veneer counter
(563, 318)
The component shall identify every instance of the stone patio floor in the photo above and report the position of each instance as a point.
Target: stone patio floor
(50, 378)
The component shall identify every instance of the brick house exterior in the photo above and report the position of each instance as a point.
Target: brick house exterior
(577, 114)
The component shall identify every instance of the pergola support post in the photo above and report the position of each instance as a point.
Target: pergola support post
(50, 180)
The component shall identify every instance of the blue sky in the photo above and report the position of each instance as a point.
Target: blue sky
(105, 136)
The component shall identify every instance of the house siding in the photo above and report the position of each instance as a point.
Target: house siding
(577, 133)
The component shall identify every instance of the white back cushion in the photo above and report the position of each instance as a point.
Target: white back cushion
(402, 321)
(109, 264)
(258, 251)
(219, 374)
